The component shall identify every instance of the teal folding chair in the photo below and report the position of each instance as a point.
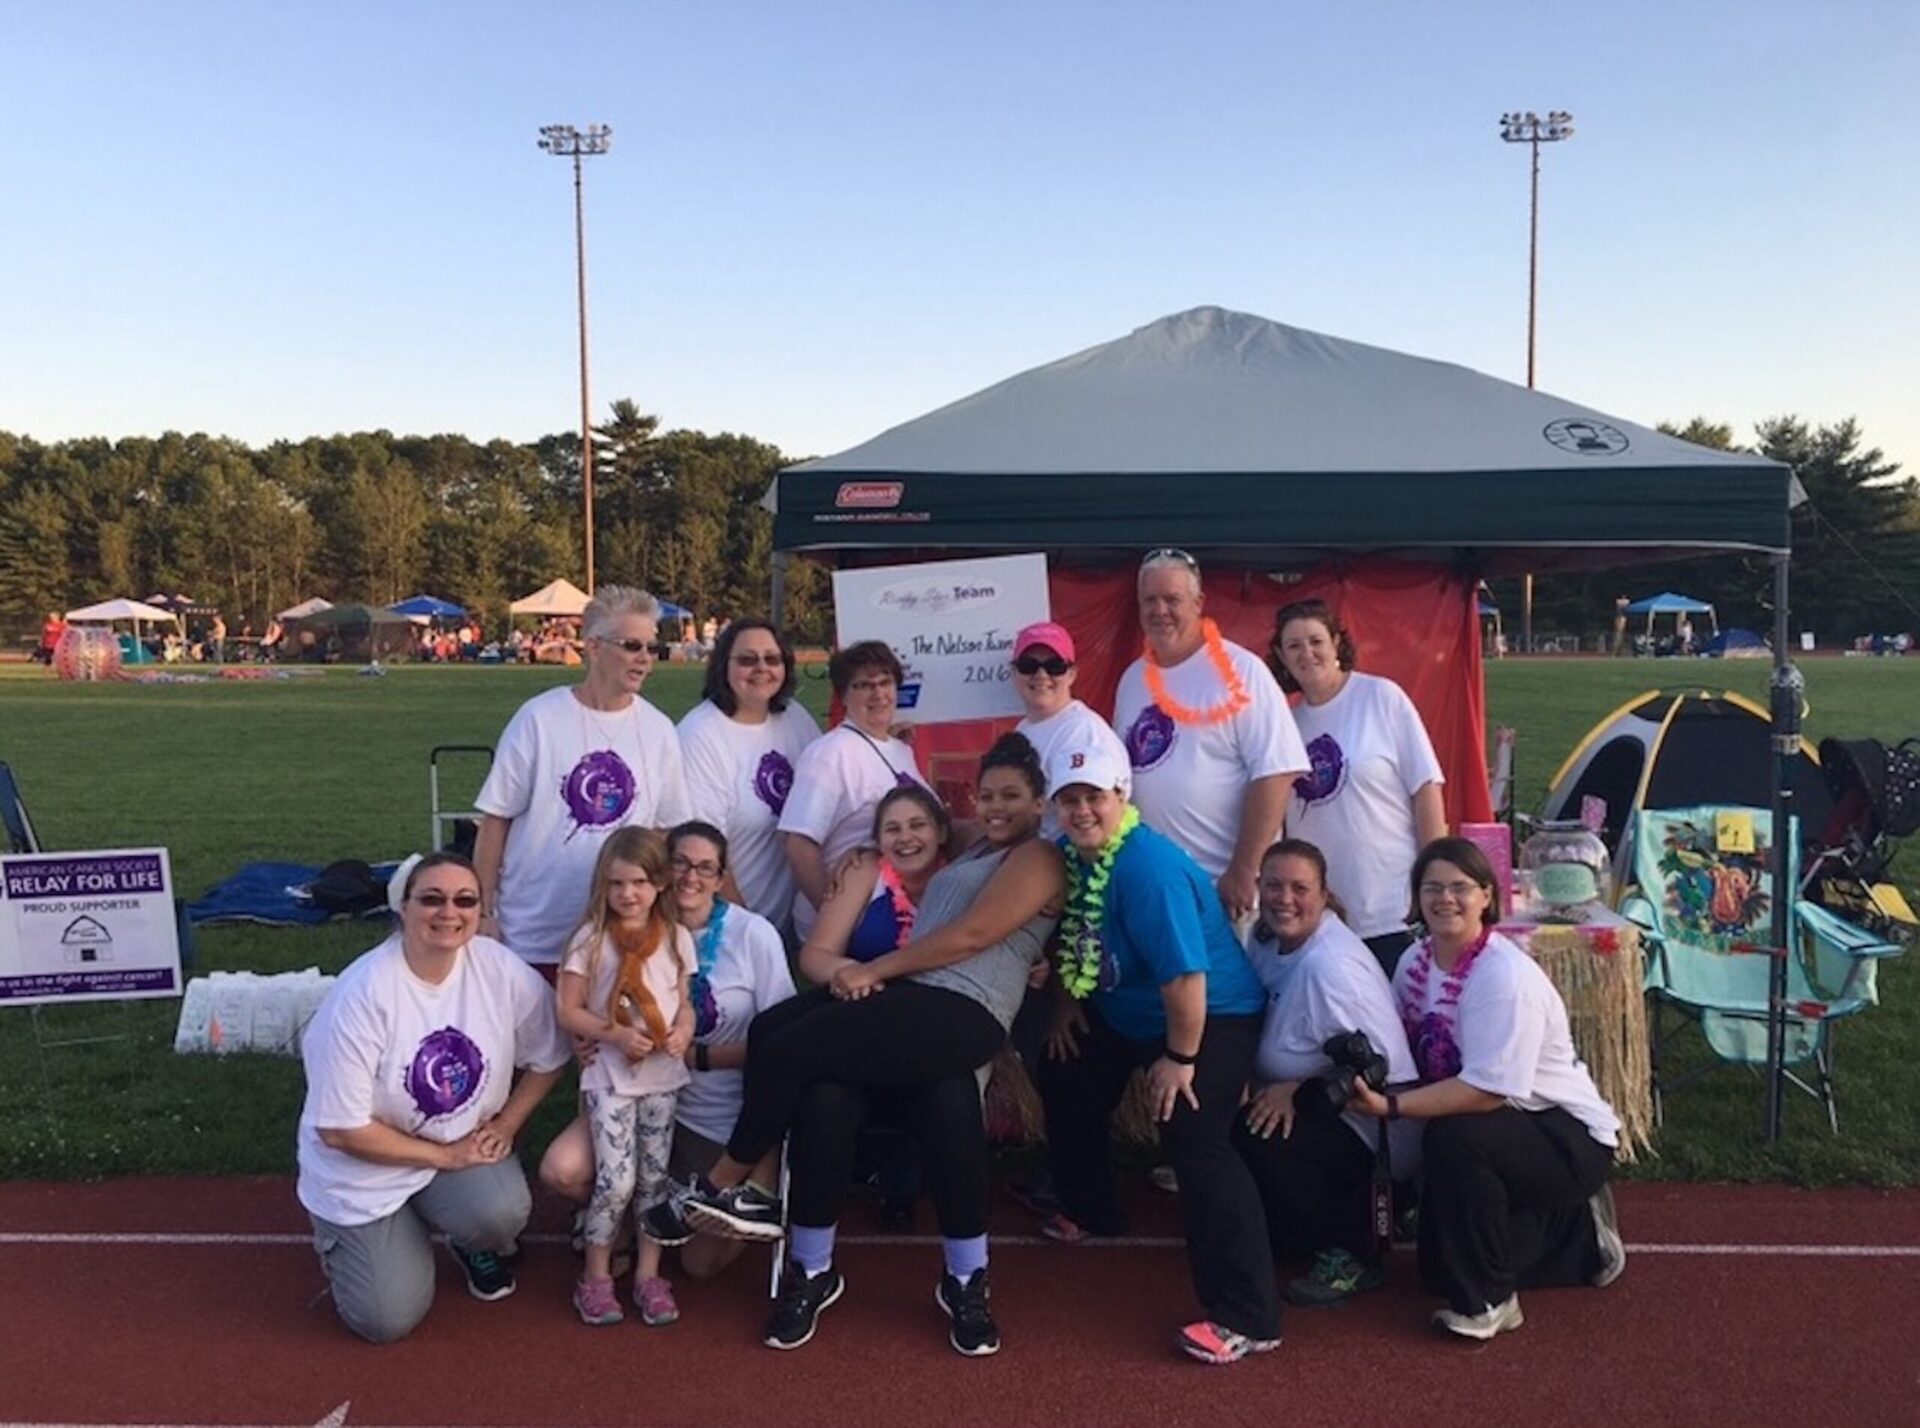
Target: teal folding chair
(1708, 913)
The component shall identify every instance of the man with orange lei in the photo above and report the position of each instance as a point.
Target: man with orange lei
(1212, 743)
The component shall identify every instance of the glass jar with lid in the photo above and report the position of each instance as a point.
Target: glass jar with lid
(1567, 871)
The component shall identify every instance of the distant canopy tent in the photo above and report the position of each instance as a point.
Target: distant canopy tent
(560, 598)
(366, 632)
(110, 612)
(1668, 603)
(304, 609)
(429, 607)
(1291, 464)
(671, 611)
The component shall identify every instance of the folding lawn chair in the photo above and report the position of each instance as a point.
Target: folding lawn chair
(13, 813)
(452, 828)
(1706, 901)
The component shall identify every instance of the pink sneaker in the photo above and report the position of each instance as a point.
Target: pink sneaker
(654, 1298)
(595, 1302)
(1213, 1343)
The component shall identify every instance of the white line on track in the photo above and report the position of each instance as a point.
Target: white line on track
(1153, 1242)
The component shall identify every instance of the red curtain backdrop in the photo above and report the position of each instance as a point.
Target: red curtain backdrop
(1416, 624)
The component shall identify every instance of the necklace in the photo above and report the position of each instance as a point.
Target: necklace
(1434, 1035)
(1083, 943)
(904, 911)
(706, 1011)
(1236, 698)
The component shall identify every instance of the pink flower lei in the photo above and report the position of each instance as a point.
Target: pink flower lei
(904, 912)
(1434, 1035)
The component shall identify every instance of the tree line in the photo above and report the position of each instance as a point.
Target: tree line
(379, 517)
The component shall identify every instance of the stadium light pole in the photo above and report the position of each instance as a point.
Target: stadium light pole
(566, 142)
(1530, 129)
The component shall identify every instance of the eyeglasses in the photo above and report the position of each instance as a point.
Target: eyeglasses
(1033, 664)
(466, 901)
(1173, 553)
(747, 659)
(1459, 892)
(630, 646)
(871, 686)
(683, 866)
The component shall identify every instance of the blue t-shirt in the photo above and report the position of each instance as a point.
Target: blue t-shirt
(1164, 920)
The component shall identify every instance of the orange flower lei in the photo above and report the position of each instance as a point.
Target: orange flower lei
(1237, 696)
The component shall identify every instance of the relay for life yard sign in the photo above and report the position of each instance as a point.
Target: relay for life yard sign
(82, 927)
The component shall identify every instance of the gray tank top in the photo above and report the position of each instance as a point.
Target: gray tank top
(996, 976)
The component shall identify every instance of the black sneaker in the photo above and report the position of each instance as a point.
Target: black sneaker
(489, 1275)
(1335, 1278)
(740, 1212)
(796, 1313)
(1036, 1193)
(665, 1226)
(973, 1333)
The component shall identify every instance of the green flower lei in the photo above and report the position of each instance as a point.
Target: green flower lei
(1082, 945)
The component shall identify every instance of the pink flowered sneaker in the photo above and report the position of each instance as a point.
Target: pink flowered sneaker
(654, 1299)
(595, 1302)
(1213, 1343)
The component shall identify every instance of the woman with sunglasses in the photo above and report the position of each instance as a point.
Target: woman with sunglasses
(1043, 677)
(574, 764)
(740, 745)
(1372, 798)
(1518, 1143)
(841, 777)
(412, 1106)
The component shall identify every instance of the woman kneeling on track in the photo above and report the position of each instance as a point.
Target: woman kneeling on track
(1312, 1158)
(1519, 1142)
(922, 1020)
(412, 1107)
(1152, 976)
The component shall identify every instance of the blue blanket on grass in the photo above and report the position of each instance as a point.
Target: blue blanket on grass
(274, 894)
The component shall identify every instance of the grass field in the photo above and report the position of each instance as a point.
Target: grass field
(336, 766)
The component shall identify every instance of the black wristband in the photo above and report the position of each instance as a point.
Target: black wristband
(1182, 1058)
(702, 1061)
(1393, 1107)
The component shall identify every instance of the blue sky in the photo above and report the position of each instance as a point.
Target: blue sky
(819, 219)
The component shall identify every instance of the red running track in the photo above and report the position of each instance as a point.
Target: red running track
(239, 1332)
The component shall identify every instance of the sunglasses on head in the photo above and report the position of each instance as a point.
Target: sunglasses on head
(1173, 553)
(465, 901)
(1034, 664)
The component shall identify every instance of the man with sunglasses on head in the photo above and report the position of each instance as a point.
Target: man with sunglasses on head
(1208, 734)
(1043, 676)
(574, 764)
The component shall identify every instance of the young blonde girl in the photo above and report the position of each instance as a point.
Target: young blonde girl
(624, 983)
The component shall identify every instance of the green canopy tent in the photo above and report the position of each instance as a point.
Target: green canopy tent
(1252, 443)
(365, 633)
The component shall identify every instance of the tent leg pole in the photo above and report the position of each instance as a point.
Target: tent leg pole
(1786, 690)
(778, 602)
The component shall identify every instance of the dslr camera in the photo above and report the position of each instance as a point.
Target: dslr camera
(1353, 1056)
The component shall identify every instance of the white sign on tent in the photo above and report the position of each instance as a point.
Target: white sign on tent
(83, 927)
(952, 624)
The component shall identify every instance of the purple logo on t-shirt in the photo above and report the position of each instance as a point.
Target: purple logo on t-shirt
(1435, 1053)
(446, 1072)
(706, 1007)
(599, 791)
(1150, 739)
(1327, 770)
(773, 780)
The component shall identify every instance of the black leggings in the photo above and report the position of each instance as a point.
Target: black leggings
(904, 1037)
(946, 1120)
(1314, 1185)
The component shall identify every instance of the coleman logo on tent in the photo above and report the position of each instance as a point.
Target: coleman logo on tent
(1585, 438)
(875, 494)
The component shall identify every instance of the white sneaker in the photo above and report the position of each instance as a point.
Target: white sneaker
(1606, 1228)
(1484, 1325)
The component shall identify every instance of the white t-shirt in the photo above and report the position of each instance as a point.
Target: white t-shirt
(567, 776)
(1190, 782)
(1369, 754)
(1513, 1036)
(749, 975)
(432, 1061)
(1073, 727)
(1331, 984)
(611, 1070)
(738, 779)
(838, 782)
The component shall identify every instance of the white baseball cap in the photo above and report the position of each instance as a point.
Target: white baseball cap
(1089, 764)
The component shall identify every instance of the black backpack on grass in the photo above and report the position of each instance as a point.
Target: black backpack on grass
(348, 888)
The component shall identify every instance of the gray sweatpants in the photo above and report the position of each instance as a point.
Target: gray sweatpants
(381, 1273)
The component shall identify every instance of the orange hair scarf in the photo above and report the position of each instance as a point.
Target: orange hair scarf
(631, 994)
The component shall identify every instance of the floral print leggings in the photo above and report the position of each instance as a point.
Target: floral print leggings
(632, 1136)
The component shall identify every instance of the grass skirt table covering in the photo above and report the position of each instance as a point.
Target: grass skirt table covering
(1598, 966)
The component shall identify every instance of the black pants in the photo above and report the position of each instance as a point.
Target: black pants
(946, 1120)
(1227, 1249)
(904, 1036)
(1315, 1186)
(1388, 947)
(1505, 1205)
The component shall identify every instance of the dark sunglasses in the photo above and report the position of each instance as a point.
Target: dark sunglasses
(466, 901)
(1052, 664)
(747, 659)
(630, 646)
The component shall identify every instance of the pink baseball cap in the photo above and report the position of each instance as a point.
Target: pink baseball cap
(1046, 632)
